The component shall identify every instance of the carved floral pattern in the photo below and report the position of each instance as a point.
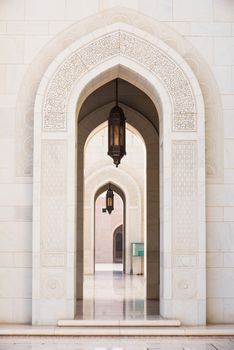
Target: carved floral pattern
(184, 195)
(53, 196)
(128, 45)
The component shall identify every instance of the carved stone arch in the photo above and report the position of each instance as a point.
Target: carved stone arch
(114, 187)
(174, 89)
(159, 30)
(175, 79)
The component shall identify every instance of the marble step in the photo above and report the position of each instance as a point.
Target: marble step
(28, 330)
(119, 323)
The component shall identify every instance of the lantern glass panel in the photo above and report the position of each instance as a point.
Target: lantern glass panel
(110, 135)
(116, 135)
(109, 202)
(121, 134)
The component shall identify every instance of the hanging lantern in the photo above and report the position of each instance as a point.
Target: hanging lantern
(109, 200)
(116, 132)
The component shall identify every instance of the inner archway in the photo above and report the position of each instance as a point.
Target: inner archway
(142, 115)
(118, 245)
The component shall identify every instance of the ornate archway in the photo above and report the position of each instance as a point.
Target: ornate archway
(160, 72)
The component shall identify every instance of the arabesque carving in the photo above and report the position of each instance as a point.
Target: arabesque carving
(128, 45)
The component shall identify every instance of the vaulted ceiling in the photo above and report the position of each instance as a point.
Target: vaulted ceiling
(128, 95)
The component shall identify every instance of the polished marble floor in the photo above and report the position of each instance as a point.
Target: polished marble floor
(111, 294)
(116, 343)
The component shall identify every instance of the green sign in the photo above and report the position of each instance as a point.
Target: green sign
(137, 249)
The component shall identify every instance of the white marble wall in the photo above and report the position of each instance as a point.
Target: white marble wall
(25, 27)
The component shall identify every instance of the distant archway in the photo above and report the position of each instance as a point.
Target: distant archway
(117, 190)
(118, 245)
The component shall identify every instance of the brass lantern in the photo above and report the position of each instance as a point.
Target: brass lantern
(109, 200)
(116, 132)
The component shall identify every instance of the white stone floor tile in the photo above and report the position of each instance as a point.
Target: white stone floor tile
(116, 343)
(108, 267)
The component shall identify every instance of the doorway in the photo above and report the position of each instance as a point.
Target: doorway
(118, 245)
(138, 177)
(105, 232)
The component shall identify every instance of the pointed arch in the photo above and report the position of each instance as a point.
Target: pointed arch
(165, 77)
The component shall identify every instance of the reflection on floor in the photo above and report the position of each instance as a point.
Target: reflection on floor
(113, 295)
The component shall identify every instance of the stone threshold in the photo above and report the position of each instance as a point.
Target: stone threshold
(119, 323)
(27, 330)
